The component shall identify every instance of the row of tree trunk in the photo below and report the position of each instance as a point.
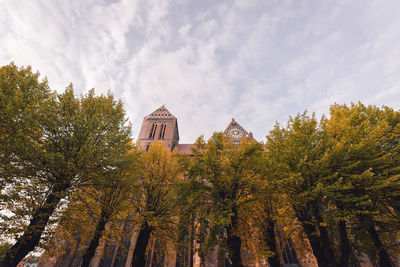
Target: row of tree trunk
(317, 236)
(321, 243)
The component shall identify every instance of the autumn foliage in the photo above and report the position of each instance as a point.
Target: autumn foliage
(72, 180)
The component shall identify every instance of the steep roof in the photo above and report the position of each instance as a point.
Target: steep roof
(161, 113)
(235, 123)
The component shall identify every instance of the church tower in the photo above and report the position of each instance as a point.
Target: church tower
(159, 125)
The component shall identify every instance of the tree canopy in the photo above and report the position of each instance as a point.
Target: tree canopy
(51, 143)
(328, 186)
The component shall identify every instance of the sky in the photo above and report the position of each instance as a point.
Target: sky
(259, 61)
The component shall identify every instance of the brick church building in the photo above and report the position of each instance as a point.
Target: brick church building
(161, 125)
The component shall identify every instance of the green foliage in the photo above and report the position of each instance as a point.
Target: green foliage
(296, 155)
(70, 160)
(78, 141)
(52, 143)
(364, 165)
(341, 169)
(220, 179)
(365, 155)
(24, 104)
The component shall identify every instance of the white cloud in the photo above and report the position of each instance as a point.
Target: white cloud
(258, 61)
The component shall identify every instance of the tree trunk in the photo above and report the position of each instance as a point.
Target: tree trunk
(367, 221)
(325, 242)
(180, 254)
(115, 254)
(31, 237)
(138, 259)
(234, 242)
(269, 239)
(78, 242)
(344, 245)
(101, 224)
(153, 246)
(191, 242)
(384, 259)
(315, 243)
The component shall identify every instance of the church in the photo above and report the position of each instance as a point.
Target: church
(161, 125)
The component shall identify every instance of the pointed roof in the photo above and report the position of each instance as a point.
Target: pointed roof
(161, 113)
(235, 123)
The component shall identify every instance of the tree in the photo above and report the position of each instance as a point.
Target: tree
(156, 173)
(112, 190)
(224, 175)
(365, 161)
(24, 103)
(74, 138)
(189, 199)
(262, 216)
(297, 154)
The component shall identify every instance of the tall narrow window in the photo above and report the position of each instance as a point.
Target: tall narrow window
(162, 131)
(162, 127)
(153, 131)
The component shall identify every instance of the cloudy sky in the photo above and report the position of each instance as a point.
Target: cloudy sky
(259, 61)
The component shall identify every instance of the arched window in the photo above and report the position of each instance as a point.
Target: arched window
(162, 131)
(153, 131)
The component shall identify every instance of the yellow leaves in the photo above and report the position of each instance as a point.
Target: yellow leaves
(156, 173)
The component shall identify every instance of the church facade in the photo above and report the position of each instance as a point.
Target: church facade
(161, 125)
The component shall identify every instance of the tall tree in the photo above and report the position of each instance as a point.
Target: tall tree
(112, 190)
(24, 104)
(74, 138)
(156, 173)
(365, 164)
(263, 213)
(296, 153)
(223, 173)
